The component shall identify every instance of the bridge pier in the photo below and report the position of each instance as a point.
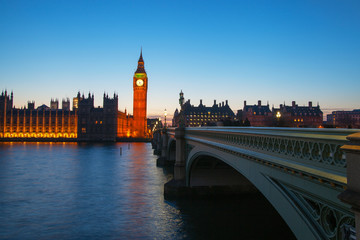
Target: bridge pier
(163, 160)
(352, 194)
(180, 161)
(158, 144)
(177, 186)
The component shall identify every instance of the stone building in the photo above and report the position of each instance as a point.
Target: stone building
(344, 119)
(31, 123)
(298, 116)
(97, 124)
(258, 115)
(201, 115)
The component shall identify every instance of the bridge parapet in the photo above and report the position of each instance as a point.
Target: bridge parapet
(352, 194)
(318, 148)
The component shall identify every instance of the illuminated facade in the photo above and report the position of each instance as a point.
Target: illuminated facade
(140, 86)
(84, 122)
(41, 123)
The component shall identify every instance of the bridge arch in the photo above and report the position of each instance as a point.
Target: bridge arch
(206, 169)
(250, 176)
(171, 150)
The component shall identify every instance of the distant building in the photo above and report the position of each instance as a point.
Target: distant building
(176, 118)
(202, 115)
(258, 115)
(344, 119)
(298, 116)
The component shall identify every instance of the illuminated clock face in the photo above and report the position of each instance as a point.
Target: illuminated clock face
(139, 82)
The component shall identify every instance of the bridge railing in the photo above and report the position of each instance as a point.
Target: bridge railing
(171, 131)
(316, 147)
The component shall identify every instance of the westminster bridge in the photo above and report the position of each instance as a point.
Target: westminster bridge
(310, 176)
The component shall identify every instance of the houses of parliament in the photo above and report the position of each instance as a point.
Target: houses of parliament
(84, 122)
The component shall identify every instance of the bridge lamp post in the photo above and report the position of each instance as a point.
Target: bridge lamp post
(165, 113)
(278, 116)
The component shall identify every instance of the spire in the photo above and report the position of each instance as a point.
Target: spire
(141, 58)
(140, 68)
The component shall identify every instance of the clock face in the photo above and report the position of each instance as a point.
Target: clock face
(139, 82)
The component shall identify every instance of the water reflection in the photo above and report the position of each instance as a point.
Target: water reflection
(81, 191)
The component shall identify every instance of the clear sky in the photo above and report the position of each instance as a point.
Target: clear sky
(252, 50)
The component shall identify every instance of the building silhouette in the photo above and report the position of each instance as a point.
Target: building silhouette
(97, 124)
(201, 115)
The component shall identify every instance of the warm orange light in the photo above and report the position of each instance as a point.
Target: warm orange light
(37, 135)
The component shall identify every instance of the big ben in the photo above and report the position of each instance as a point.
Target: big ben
(140, 85)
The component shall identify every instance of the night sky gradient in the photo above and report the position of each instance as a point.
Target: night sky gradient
(252, 50)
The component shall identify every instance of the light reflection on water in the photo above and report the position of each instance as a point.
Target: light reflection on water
(82, 191)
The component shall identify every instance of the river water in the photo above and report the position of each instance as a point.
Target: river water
(91, 191)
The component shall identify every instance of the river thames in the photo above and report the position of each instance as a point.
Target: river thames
(91, 191)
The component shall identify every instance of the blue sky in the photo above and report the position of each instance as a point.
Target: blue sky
(252, 50)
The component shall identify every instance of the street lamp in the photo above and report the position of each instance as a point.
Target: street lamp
(165, 113)
(278, 115)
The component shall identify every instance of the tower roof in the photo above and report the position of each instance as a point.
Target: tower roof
(140, 68)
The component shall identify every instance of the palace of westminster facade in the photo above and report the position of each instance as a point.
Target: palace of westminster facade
(84, 122)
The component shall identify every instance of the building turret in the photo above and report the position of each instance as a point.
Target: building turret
(54, 104)
(31, 105)
(65, 105)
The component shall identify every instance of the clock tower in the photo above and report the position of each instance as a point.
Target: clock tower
(140, 85)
